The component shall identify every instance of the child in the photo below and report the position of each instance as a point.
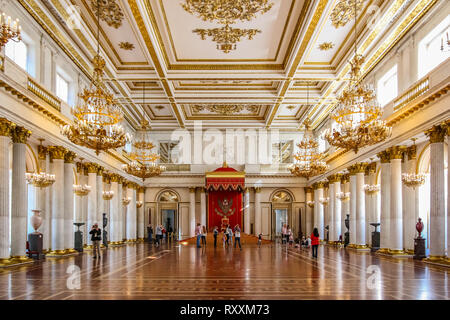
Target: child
(259, 240)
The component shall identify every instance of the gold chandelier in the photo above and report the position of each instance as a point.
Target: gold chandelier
(413, 180)
(81, 190)
(108, 195)
(8, 31)
(371, 189)
(343, 196)
(139, 203)
(310, 204)
(97, 117)
(226, 12)
(143, 163)
(40, 180)
(126, 201)
(358, 114)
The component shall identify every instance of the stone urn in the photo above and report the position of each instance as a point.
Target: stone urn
(36, 220)
(419, 228)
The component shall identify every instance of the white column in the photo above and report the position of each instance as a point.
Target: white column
(100, 201)
(409, 205)
(448, 191)
(258, 222)
(41, 200)
(203, 207)
(330, 207)
(247, 211)
(5, 138)
(120, 210)
(116, 203)
(58, 227)
(84, 203)
(308, 212)
(352, 211)
(345, 205)
(385, 194)
(131, 214)
(318, 217)
(69, 202)
(360, 208)
(368, 205)
(125, 211)
(92, 199)
(337, 210)
(438, 216)
(140, 214)
(192, 222)
(78, 200)
(19, 203)
(396, 225)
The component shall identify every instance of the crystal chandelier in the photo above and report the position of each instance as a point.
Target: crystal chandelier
(324, 201)
(80, 190)
(310, 204)
(126, 201)
(413, 180)
(343, 196)
(139, 203)
(97, 117)
(108, 195)
(309, 160)
(358, 114)
(371, 189)
(41, 180)
(8, 31)
(143, 163)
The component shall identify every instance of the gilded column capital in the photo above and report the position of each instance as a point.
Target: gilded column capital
(114, 177)
(371, 168)
(42, 152)
(100, 170)
(345, 178)
(257, 189)
(20, 134)
(91, 167)
(6, 127)
(247, 190)
(446, 126)
(69, 157)
(308, 190)
(57, 152)
(396, 152)
(318, 185)
(141, 189)
(335, 178)
(124, 183)
(359, 167)
(191, 189)
(131, 185)
(436, 134)
(80, 167)
(384, 156)
(106, 177)
(411, 152)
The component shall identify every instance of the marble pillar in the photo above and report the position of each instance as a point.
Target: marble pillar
(447, 127)
(371, 201)
(125, 210)
(140, 214)
(131, 213)
(358, 170)
(438, 216)
(352, 211)
(91, 199)
(411, 196)
(309, 211)
(192, 222)
(345, 205)
(84, 180)
(203, 207)
(57, 154)
(247, 228)
(330, 209)
(100, 201)
(120, 211)
(116, 203)
(258, 218)
(69, 236)
(385, 194)
(6, 128)
(319, 214)
(19, 203)
(337, 210)
(396, 202)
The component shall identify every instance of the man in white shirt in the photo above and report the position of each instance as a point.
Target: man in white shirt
(237, 236)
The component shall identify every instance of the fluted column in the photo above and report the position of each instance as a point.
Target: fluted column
(84, 180)
(91, 198)
(114, 221)
(410, 203)
(330, 208)
(352, 211)
(140, 214)
(438, 216)
(131, 214)
(385, 191)
(19, 205)
(192, 223)
(359, 169)
(78, 199)
(40, 194)
(308, 212)
(100, 201)
(447, 127)
(57, 154)
(396, 225)
(337, 209)
(120, 209)
(6, 128)
(345, 205)
(319, 212)
(203, 207)
(69, 202)
(125, 210)
(371, 201)
(258, 222)
(247, 211)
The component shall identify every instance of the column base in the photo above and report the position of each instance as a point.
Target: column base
(71, 251)
(88, 246)
(409, 251)
(397, 252)
(140, 240)
(351, 246)
(435, 259)
(46, 251)
(131, 241)
(56, 253)
(383, 251)
(362, 247)
(15, 261)
(115, 243)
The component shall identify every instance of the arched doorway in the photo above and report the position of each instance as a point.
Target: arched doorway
(281, 212)
(167, 211)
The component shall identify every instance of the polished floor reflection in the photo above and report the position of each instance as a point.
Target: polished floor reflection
(142, 271)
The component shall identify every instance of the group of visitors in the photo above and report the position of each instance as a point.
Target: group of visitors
(161, 234)
(227, 236)
(286, 235)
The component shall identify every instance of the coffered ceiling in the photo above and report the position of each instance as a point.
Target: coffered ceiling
(264, 82)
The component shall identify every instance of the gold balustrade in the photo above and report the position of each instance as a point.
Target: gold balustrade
(409, 95)
(43, 94)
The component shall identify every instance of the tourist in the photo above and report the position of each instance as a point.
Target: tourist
(308, 242)
(198, 234)
(315, 242)
(96, 237)
(230, 235)
(163, 234)
(158, 234)
(204, 233)
(215, 233)
(150, 233)
(237, 236)
(288, 234)
(259, 240)
(291, 239)
(170, 233)
(227, 233)
(224, 239)
(283, 234)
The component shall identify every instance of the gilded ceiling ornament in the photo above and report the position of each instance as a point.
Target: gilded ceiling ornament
(110, 12)
(326, 46)
(126, 45)
(226, 37)
(159, 107)
(226, 109)
(344, 12)
(291, 107)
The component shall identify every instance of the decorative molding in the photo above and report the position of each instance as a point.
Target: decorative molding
(110, 12)
(324, 46)
(126, 45)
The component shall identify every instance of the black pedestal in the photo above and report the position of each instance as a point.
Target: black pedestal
(346, 239)
(419, 248)
(375, 241)
(35, 243)
(78, 245)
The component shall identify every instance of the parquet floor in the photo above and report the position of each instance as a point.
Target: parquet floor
(142, 271)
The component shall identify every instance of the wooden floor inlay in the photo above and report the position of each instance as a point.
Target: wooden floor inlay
(142, 271)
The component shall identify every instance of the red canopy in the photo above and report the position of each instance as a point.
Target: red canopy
(225, 178)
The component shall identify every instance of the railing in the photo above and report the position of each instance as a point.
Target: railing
(417, 90)
(176, 167)
(43, 94)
